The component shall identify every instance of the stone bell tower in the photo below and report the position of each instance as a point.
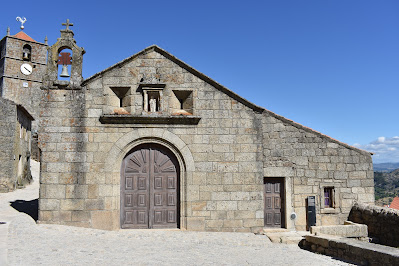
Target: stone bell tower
(22, 66)
(57, 57)
(61, 133)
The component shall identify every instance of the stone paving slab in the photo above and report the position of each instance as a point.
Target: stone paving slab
(29, 243)
(64, 245)
(285, 237)
(8, 213)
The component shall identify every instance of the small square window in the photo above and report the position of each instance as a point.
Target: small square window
(122, 93)
(329, 197)
(184, 102)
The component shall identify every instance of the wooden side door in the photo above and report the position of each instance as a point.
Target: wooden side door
(274, 202)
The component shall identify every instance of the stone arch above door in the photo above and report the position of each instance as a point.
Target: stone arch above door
(163, 137)
(149, 135)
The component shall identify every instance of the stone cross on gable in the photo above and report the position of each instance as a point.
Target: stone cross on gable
(67, 24)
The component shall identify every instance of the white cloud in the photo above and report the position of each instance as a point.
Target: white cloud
(384, 149)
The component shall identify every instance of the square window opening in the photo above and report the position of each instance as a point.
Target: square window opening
(122, 93)
(184, 101)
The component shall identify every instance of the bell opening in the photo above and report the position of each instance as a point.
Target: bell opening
(64, 63)
(26, 52)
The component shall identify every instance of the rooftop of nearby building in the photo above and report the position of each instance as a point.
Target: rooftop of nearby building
(395, 204)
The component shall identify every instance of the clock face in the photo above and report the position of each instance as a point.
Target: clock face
(26, 69)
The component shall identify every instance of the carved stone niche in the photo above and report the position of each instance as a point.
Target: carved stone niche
(153, 102)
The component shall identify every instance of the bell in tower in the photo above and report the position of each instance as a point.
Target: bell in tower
(70, 61)
(25, 56)
(26, 52)
(65, 59)
(64, 72)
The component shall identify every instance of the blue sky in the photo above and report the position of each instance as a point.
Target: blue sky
(331, 65)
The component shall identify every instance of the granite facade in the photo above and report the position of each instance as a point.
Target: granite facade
(224, 159)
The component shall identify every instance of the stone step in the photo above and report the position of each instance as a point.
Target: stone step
(285, 236)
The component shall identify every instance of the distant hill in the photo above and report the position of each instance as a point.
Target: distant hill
(385, 167)
(386, 185)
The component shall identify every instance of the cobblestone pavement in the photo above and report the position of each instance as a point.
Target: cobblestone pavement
(32, 244)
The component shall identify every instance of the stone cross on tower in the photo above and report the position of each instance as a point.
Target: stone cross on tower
(67, 24)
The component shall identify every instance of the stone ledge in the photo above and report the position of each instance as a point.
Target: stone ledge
(284, 236)
(139, 119)
(329, 211)
(352, 230)
(356, 251)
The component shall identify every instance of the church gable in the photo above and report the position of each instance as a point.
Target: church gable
(155, 74)
(127, 83)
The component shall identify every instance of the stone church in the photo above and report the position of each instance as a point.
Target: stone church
(151, 142)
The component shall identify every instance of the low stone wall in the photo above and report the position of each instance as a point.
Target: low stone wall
(382, 223)
(359, 252)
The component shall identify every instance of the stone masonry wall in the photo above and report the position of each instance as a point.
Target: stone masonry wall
(13, 79)
(22, 145)
(350, 250)
(64, 191)
(224, 159)
(382, 223)
(224, 191)
(2, 61)
(311, 161)
(8, 116)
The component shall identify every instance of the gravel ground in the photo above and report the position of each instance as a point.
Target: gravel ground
(32, 244)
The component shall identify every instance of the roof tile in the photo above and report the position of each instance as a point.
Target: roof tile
(23, 36)
(395, 204)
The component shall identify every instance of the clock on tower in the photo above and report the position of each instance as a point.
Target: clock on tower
(22, 66)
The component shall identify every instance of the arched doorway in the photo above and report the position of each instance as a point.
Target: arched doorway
(150, 188)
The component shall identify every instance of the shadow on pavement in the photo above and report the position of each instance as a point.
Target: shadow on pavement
(31, 207)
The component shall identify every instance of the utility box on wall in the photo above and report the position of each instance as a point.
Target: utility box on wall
(311, 212)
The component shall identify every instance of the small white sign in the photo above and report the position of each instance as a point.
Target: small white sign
(25, 85)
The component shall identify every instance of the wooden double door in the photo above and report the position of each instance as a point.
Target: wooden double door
(274, 202)
(150, 188)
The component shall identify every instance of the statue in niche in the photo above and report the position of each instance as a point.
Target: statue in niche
(153, 104)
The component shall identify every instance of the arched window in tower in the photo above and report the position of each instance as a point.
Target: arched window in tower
(26, 52)
(64, 64)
